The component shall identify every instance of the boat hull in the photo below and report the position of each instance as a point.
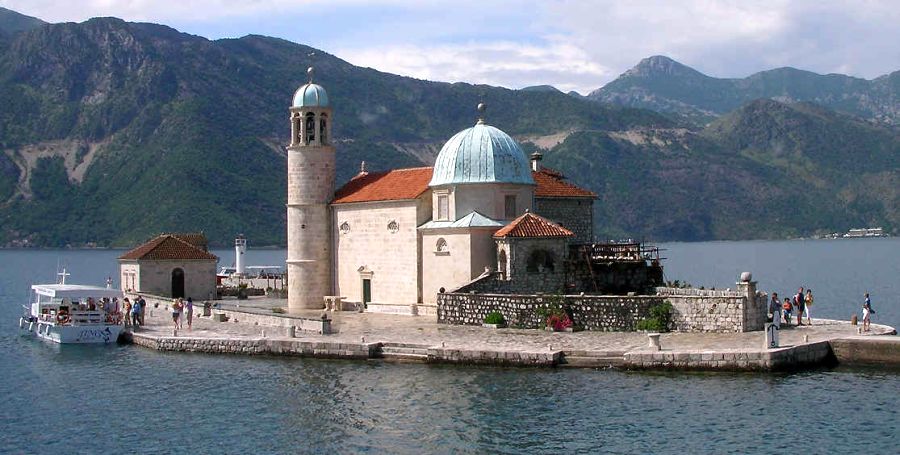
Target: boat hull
(74, 334)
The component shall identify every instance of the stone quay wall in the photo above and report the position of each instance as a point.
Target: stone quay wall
(787, 358)
(716, 311)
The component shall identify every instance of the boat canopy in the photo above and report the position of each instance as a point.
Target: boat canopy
(75, 291)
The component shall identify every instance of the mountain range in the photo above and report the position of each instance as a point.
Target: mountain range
(113, 131)
(662, 84)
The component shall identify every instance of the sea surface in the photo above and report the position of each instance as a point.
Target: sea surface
(126, 399)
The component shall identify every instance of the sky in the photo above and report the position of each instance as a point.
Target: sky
(572, 45)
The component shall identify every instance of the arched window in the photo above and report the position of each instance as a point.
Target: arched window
(324, 129)
(502, 263)
(310, 127)
(441, 246)
(540, 261)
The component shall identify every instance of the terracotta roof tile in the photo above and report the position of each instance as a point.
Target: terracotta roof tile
(531, 226)
(550, 184)
(198, 239)
(400, 184)
(168, 247)
(397, 184)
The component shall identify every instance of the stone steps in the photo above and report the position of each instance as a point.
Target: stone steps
(400, 352)
(592, 359)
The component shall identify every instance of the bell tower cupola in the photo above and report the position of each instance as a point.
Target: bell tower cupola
(310, 114)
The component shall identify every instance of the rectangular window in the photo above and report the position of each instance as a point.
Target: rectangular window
(510, 206)
(443, 208)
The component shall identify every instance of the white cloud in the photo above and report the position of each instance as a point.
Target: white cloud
(502, 63)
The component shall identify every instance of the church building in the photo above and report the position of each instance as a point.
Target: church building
(393, 240)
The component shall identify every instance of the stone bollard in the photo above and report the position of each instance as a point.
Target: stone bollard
(654, 341)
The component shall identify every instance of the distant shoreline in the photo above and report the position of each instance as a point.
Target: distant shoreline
(283, 247)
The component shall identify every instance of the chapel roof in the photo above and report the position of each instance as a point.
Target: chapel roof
(530, 225)
(401, 184)
(481, 154)
(393, 185)
(168, 247)
(473, 219)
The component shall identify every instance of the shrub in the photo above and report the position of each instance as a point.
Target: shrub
(660, 317)
(494, 317)
(554, 315)
(278, 310)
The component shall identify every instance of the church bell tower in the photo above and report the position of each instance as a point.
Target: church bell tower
(310, 189)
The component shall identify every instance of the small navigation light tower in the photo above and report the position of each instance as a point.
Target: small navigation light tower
(240, 247)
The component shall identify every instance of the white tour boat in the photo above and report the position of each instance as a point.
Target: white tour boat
(72, 313)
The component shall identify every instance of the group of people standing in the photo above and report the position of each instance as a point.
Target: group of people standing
(801, 303)
(134, 312)
(182, 309)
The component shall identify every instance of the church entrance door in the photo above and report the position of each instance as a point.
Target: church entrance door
(367, 290)
(177, 283)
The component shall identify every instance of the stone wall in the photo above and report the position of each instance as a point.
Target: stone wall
(716, 311)
(574, 214)
(602, 313)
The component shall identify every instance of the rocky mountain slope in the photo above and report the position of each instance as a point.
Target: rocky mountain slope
(662, 84)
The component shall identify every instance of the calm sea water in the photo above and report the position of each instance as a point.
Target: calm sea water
(119, 399)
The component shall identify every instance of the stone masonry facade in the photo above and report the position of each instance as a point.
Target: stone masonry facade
(574, 214)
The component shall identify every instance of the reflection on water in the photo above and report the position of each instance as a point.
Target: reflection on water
(103, 399)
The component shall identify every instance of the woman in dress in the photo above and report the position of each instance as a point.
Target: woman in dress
(809, 302)
(126, 311)
(867, 315)
(189, 309)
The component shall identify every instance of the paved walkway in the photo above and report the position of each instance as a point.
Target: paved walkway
(352, 327)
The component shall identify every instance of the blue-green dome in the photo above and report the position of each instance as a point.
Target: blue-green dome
(310, 95)
(481, 154)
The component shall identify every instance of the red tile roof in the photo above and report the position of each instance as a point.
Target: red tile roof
(397, 184)
(198, 239)
(532, 226)
(400, 184)
(550, 183)
(168, 247)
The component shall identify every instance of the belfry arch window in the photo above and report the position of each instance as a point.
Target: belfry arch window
(310, 127)
(298, 137)
(323, 126)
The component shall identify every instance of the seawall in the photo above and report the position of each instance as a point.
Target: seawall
(881, 350)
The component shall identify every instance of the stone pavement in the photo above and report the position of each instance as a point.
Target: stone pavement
(351, 327)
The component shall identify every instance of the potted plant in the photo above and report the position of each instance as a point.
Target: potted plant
(494, 320)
